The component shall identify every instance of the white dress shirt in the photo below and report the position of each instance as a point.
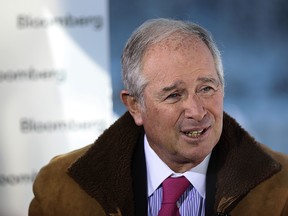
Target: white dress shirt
(158, 171)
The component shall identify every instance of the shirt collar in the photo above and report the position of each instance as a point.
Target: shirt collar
(196, 176)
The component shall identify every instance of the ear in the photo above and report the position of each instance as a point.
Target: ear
(133, 106)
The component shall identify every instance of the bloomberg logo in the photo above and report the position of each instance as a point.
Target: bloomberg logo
(29, 125)
(32, 74)
(26, 21)
(17, 179)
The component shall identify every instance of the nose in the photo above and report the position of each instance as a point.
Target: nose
(194, 108)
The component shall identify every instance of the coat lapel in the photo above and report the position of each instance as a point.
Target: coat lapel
(242, 165)
(104, 171)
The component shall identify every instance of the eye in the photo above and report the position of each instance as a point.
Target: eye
(173, 97)
(206, 91)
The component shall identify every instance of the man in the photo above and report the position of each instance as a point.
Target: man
(175, 126)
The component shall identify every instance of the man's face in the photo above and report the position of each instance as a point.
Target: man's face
(183, 100)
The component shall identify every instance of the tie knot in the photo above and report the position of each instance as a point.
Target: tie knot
(173, 188)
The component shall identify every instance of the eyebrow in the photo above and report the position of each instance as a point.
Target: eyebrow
(209, 80)
(169, 88)
(177, 83)
(172, 86)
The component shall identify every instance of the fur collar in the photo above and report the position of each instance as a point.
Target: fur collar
(243, 164)
(104, 171)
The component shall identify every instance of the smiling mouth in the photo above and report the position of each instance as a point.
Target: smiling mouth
(195, 133)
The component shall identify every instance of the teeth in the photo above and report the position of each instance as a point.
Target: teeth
(194, 133)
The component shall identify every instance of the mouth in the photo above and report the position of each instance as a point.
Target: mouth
(195, 133)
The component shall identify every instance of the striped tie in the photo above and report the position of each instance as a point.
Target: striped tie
(173, 188)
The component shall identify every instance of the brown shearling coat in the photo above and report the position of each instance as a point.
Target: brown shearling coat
(96, 180)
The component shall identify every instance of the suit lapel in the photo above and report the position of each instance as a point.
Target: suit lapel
(211, 178)
(139, 176)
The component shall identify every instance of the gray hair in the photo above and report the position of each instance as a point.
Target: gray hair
(151, 32)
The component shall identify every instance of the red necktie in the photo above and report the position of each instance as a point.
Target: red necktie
(173, 188)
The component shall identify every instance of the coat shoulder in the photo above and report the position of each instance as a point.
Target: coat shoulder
(278, 156)
(270, 197)
(64, 161)
(53, 189)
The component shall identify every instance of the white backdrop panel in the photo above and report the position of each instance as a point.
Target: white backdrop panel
(55, 87)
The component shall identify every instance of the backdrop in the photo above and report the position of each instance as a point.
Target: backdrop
(55, 88)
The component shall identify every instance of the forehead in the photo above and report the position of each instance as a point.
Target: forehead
(177, 55)
(175, 42)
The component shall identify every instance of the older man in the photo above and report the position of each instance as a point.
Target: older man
(175, 152)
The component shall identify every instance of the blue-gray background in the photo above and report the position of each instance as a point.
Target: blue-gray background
(253, 38)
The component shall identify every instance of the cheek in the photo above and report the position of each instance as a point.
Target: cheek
(154, 116)
(215, 105)
(219, 105)
(160, 116)
(216, 109)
